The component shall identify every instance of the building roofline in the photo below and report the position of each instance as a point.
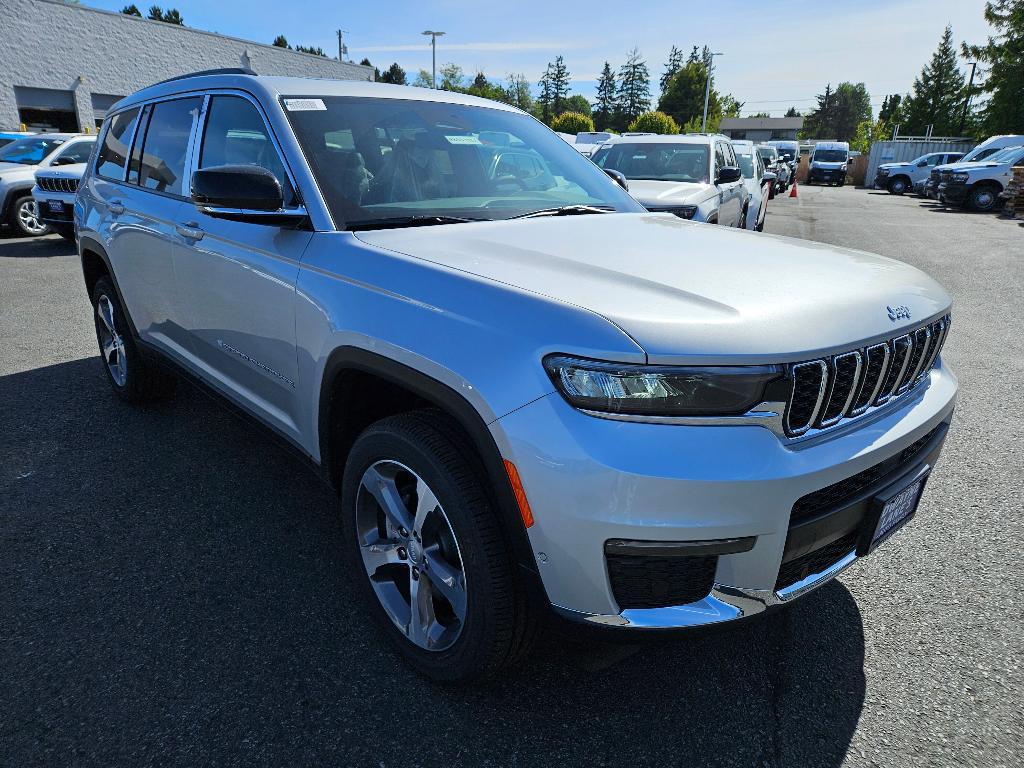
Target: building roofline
(196, 30)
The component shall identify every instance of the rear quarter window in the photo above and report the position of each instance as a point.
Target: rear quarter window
(113, 154)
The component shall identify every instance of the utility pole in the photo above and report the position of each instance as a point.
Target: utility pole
(342, 48)
(707, 91)
(433, 55)
(967, 99)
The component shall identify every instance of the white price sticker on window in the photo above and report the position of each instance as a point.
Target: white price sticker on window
(463, 139)
(304, 105)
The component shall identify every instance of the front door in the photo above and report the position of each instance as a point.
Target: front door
(237, 279)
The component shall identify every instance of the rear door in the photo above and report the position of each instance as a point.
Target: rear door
(237, 279)
(730, 195)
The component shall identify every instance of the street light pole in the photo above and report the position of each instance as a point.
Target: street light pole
(433, 55)
(707, 91)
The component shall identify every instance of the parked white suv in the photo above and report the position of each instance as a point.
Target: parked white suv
(19, 162)
(900, 177)
(978, 186)
(981, 152)
(532, 396)
(694, 176)
(758, 179)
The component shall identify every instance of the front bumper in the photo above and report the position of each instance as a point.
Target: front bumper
(829, 175)
(54, 207)
(591, 481)
(953, 192)
(881, 181)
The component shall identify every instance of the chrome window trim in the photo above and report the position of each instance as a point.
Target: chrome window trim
(881, 378)
(833, 365)
(821, 396)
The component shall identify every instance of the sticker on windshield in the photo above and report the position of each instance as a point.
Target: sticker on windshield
(304, 105)
(463, 139)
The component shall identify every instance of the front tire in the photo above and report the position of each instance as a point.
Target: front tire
(133, 378)
(438, 576)
(24, 217)
(897, 187)
(983, 198)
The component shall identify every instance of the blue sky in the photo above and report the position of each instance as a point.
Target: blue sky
(777, 54)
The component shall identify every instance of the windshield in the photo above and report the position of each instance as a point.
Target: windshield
(746, 164)
(657, 162)
(830, 155)
(384, 160)
(30, 151)
(768, 154)
(1003, 155)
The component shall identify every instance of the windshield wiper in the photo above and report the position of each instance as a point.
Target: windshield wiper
(565, 210)
(406, 221)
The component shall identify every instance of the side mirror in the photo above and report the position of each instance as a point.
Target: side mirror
(242, 193)
(619, 177)
(922, 164)
(728, 174)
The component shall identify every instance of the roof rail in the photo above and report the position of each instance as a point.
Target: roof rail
(201, 73)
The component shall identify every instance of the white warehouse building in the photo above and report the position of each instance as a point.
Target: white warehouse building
(63, 65)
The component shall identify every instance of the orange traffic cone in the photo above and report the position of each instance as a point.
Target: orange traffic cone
(792, 191)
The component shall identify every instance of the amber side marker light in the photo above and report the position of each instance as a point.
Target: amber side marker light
(517, 489)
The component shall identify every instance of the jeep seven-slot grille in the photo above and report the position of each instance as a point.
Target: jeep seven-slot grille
(828, 390)
(53, 184)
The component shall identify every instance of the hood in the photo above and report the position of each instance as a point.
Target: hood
(4, 167)
(688, 292)
(894, 165)
(668, 192)
(980, 165)
(73, 171)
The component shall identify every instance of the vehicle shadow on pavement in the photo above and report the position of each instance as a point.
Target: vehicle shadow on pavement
(12, 247)
(173, 592)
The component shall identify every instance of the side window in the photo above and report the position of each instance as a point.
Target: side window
(114, 152)
(934, 160)
(78, 152)
(164, 149)
(236, 135)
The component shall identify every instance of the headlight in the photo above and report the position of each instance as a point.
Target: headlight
(682, 211)
(883, 171)
(960, 176)
(658, 390)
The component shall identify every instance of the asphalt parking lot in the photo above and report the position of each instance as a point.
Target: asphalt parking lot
(171, 589)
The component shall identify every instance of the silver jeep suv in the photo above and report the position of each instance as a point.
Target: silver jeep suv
(535, 399)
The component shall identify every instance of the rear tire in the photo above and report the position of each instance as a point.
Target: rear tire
(24, 217)
(460, 632)
(133, 378)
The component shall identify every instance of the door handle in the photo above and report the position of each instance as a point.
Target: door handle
(116, 207)
(190, 230)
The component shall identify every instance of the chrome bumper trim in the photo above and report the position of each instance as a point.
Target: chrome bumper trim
(725, 603)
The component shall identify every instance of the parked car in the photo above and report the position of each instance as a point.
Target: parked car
(6, 137)
(588, 142)
(900, 177)
(694, 176)
(758, 180)
(987, 148)
(19, 161)
(789, 151)
(773, 162)
(978, 186)
(54, 195)
(829, 162)
(531, 402)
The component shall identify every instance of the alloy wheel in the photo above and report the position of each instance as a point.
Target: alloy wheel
(111, 342)
(411, 555)
(983, 199)
(28, 218)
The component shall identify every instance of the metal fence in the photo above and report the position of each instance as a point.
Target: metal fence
(904, 151)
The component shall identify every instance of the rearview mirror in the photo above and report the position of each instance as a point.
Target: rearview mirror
(728, 174)
(619, 177)
(242, 193)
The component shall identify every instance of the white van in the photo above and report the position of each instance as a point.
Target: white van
(829, 162)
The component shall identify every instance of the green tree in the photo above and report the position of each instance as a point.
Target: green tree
(485, 89)
(683, 98)
(867, 133)
(452, 77)
(315, 50)
(759, 114)
(173, 16)
(634, 94)
(543, 105)
(604, 114)
(281, 42)
(576, 103)
(572, 122)
(1002, 58)
(674, 64)
(890, 112)
(838, 113)
(654, 122)
(423, 80)
(791, 112)
(937, 94)
(393, 74)
(132, 10)
(517, 92)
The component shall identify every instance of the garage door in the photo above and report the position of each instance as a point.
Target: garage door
(46, 109)
(101, 104)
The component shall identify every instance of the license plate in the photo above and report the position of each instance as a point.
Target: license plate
(56, 206)
(895, 510)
